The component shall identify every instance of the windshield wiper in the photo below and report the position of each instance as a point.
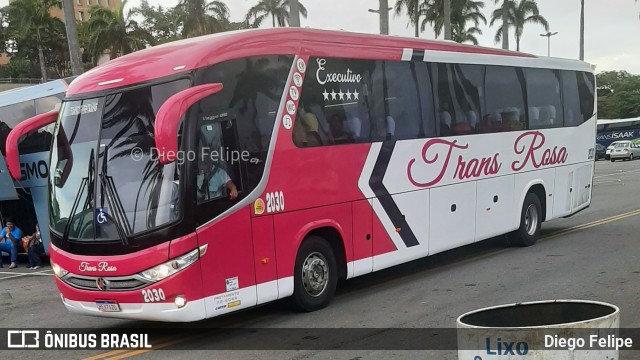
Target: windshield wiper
(108, 190)
(85, 183)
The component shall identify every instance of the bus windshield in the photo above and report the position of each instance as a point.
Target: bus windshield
(106, 182)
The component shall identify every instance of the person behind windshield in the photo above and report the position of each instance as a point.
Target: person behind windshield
(218, 180)
(213, 180)
(9, 241)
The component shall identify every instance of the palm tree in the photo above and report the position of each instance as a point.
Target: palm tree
(413, 10)
(278, 9)
(520, 13)
(201, 17)
(504, 11)
(462, 11)
(72, 37)
(462, 35)
(31, 21)
(113, 31)
(469, 11)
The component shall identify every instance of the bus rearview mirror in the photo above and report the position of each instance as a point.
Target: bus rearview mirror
(169, 115)
(24, 128)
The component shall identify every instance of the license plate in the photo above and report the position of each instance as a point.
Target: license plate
(108, 306)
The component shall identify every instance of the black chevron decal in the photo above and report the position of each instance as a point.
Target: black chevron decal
(389, 206)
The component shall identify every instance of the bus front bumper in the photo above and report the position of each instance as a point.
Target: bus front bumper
(167, 312)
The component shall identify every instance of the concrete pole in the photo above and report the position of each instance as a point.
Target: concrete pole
(384, 17)
(447, 19)
(294, 13)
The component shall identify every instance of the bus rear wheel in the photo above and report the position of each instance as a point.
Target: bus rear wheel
(316, 275)
(530, 222)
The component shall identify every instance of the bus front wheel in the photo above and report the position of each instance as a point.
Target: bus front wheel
(316, 275)
(530, 222)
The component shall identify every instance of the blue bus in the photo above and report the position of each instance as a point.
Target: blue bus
(616, 130)
(26, 200)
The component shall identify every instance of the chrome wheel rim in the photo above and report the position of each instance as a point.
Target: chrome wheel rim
(315, 274)
(531, 219)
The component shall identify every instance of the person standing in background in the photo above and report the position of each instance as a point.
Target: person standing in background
(35, 249)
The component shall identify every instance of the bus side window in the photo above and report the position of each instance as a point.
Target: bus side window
(543, 98)
(247, 105)
(333, 107)
(403, 101)
(458, 93)
(504, 94)
(586, 89)
(216, 164)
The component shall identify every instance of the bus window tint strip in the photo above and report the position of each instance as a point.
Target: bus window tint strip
(347, 101)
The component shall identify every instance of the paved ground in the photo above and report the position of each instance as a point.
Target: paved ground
(594, 255)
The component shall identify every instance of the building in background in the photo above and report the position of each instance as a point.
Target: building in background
(81, 8)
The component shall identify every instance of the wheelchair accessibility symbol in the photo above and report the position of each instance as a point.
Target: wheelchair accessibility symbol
(101, 215)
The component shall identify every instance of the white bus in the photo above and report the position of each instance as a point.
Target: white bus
(26, 199)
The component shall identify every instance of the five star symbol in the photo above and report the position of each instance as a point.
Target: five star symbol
(341, 95)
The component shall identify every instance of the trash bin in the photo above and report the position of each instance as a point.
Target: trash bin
(540, 330)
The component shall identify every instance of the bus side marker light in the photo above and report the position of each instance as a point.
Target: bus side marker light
(265, 261)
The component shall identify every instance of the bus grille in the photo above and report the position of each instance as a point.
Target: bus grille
(125, 283)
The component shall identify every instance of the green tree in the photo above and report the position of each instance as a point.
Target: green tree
(462, 12)
(628, 97)
(277, 9)
(18, 68)
(30, 22)
(618, 95)
(413, 10)
(4, 28)
(164, 24)
(115, 32)
(521, 13)
(199, 17)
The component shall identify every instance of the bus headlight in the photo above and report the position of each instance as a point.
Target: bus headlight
(58, 270)
(173, 266)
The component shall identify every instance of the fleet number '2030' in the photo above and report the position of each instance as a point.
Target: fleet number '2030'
(153, 295)
(275, 201)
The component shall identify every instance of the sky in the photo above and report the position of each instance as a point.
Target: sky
(611, 26)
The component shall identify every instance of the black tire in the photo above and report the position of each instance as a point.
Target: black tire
(530, 223)
(315, 252)
(613, 160)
